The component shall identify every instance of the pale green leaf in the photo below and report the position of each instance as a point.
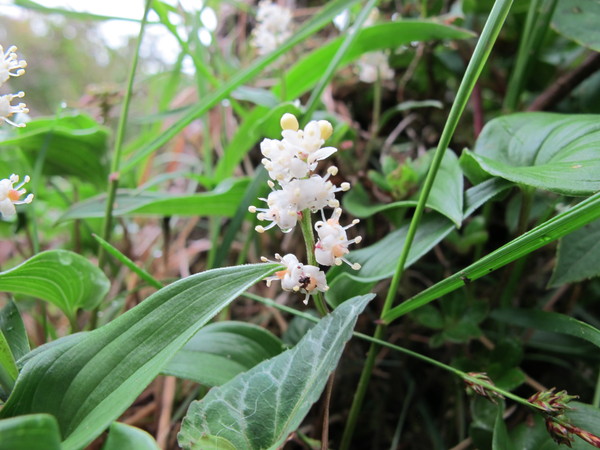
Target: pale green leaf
(11, 324)
(90, 379)
(222, 350)
(556, 152)
(285, 387)
(61, 277)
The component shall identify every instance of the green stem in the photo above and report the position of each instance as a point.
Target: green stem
(116, 160)
(113, 181)
(309, 240)
(482, 50)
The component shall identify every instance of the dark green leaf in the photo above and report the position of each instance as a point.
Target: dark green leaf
(8, 366)
(556, 152)
(35, 431)
(578, 256)
(126, 437)
(578, 20)
(220, 351)
(548, 321)
(289, 384)
(72, 145)
(87, 382)
(501, 440)
(11, 324)
(61, 277)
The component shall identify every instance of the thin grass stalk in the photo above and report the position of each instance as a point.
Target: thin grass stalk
(480, 55)
(113, 183)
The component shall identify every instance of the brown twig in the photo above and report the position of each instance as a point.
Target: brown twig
(565, 84)
(326, 402)
(164, 420)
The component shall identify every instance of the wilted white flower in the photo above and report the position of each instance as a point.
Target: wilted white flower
(7, 110)
(10, 195)
(298, 277)
(273, 28)
(11, 66)
(373, 66)
(333, 241)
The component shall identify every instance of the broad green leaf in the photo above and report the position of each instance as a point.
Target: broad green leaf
(577, 256)
(501, 440)
(126, 437)
(89, 380)
(8, 366)
(378, 261)
(11, 324)
(446, 195)
(220, 351)
(29, 432)
(581, 214)
(61, 277)
(287, 384)
(556, 152)
(548, 321)
(578, 20)
(222, 201)
(71, 145)
(307, 72)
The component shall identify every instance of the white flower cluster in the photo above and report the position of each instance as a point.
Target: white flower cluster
(291, 162)
(373, 66)
(10, 194)
(11, 66)
(273, 28)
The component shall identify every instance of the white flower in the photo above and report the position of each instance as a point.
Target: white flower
(373, 66)
(333, 241)
(273, 28)
(297, 154)
(10, 66)
(298, 277)
(7, 110)
(10, 194)
(285, 206)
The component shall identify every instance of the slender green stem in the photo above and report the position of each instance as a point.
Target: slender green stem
(309, 241)
(482, 50)
(596, 400)
(113, 182)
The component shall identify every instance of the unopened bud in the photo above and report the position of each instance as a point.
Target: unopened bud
(289, 122)
(326, 129)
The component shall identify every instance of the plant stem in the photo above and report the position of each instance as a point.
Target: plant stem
(113, 178)
(309, 241)
(482, 50)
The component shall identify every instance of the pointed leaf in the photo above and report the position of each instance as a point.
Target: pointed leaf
(222, 201)
(126, 437)
(285, 387)
(91, 379)
(8, 366)
(548, 321)
(577, 256)
(61, 277)
(29, 432)
(501, 440)
(556, 152)
(220, 351)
